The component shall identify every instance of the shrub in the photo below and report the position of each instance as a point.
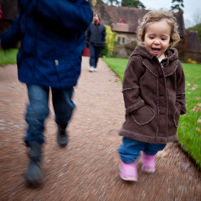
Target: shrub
(190, 61)
(110, 41)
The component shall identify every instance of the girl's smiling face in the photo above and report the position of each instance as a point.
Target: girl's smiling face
(157, 38)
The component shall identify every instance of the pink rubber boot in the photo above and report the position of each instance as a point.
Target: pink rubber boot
(148, 163)
(128, 171)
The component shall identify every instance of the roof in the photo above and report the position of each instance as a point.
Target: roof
(120, 27)
(122, 21)
(131, 17)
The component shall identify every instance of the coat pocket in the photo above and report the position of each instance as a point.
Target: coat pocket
(143, 115)
(176, 117)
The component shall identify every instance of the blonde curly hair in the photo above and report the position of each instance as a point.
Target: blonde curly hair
(155, 16)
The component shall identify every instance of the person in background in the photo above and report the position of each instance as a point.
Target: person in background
(52, 35)
(154, 94)
(96, 41)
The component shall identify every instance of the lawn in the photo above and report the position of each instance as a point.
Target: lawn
(189, 130)
(8, 56)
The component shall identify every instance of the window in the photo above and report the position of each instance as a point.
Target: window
(123, 40)
(119, 40)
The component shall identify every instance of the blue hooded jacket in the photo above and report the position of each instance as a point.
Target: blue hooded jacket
(52, 35)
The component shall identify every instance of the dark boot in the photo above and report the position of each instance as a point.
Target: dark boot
(62, 136)
(34, 175)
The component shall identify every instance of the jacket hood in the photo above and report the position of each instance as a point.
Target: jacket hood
(172, 54)
(151, 61)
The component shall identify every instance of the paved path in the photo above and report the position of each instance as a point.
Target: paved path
(87, 170)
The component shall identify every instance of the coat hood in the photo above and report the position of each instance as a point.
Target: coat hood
(151, 60)
(172, 54)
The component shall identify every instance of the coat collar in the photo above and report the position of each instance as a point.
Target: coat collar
(151, 62)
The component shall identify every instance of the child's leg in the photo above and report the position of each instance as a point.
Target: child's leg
(37, 112)
(148, 156)
(152, 149)
(63, 107)
(129, 152)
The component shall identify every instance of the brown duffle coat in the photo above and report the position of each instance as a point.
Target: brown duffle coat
(154, 97)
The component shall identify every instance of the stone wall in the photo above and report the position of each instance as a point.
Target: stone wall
(124, 51)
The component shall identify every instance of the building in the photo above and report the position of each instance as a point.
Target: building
(124, 21)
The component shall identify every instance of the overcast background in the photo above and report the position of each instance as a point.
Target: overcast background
(192, 8)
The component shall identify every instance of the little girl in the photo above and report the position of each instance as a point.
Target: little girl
(154, 94)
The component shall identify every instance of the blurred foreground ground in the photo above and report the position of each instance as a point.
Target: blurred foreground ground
(88, 168)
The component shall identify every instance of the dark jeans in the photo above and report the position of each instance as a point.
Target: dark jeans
(130, 149)
(38, 110)
(94, 55)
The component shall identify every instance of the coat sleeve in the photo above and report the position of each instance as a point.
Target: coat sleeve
(131, 90)
(103, 35)
(10, 38)
(88, 34)
(180, 96)
(72, 14)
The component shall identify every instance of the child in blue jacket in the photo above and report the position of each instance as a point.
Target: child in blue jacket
(52, 35)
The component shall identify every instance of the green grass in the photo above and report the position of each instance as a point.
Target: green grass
(117, 65)
(189, 130)
(8, 56)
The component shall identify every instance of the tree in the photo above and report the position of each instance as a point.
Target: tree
(111, 2)
(178, 5)
(132, 3)
(110, 41)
